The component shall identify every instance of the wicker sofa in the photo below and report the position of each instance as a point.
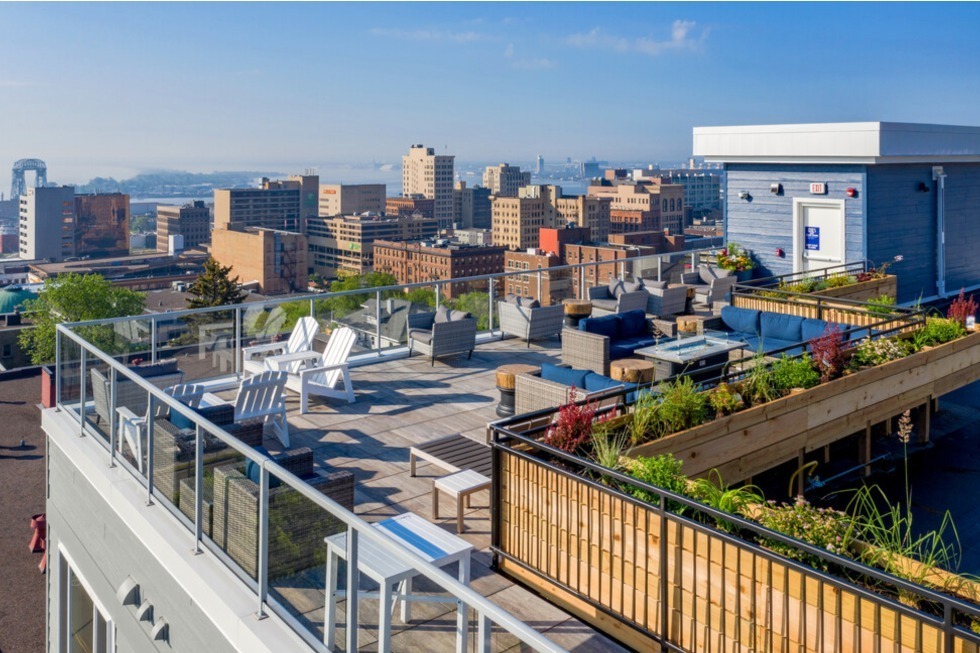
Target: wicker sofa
(556, 385)
(525, 319)
(597, 341)
(441, 333)
(297, 526)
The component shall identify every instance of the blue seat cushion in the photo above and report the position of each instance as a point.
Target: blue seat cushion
(758, 343)
(619, 350)
(253, 471)
(741, 320)
(607, 325)
(563, 375)
(633, 323)
(781, 327)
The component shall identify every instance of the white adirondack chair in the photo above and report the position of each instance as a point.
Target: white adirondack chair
(131, 426)
(262, 395)
(300, 340)
(323, 371)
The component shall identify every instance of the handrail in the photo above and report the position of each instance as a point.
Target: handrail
(306, 297)
(819, 273)
(484, 607)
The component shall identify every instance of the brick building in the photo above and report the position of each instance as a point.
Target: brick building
(649, 205)
(426, 260)
(345, 243)
(192, 221)
(277, 260)
(408, 207)
(554, 285)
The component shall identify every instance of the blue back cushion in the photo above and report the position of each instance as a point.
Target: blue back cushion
(781, 327)
(632, 323)
(608, 326)
(812, 329)
(595, 382)
(253, 471)
(742, 320)
(564, 375)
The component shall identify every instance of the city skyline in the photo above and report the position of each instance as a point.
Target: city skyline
(115, 89)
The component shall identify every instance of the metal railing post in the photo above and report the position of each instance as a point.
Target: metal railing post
(81, 393)
(352, 583)
(198, 485)
(539, 298)
(663, 569)
(581, 283)
(113, 380)
(660, 267)
(263, 571)
(438, 299)
(377, 317)
(492, 284)
(57, 368)
(153, 340)
(238, 341)
(312, 308)
(483, 631)
(150, 418)
(948, 643)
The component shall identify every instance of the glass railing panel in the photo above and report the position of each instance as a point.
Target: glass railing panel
(203, 344)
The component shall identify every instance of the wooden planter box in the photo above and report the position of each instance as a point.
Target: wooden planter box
(598, 554)
(864, 290)
(755, 440)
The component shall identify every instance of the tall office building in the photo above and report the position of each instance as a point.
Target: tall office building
(539, 166)
(102, 225)
(348, 199)
(47, 223)
(191, 221)
(517, 220)
(345, 243)
(309, 190)
(471, 207)
(505, 180)
(275, 205)
(431, 175)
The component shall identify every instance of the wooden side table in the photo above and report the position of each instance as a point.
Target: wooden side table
(460, 486)
(506, 382)
(631, 370)
(576, 310)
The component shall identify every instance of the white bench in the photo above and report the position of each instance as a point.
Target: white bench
(459, 486)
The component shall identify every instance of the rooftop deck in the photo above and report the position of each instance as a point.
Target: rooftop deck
(402, 402)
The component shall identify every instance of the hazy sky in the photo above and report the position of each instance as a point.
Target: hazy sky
(109, 89)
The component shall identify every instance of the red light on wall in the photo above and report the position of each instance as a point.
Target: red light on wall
(780, 253)
(852, 192)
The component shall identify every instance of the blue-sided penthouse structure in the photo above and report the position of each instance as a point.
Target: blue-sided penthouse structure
(814, 195)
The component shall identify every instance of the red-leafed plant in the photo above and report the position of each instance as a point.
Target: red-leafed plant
(573, 427)
(962, 308)
(828, 353)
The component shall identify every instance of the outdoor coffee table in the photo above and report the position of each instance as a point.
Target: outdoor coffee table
(576, 310)
(690, 354)
(505, 384)
(423, 538)
(632, 370)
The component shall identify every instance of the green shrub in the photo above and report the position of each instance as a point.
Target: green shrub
(681, 406)
(759, 385)
(822, 527)
(840, 280)
(713, 492)
(877, 352)
(644, 417)
(789, 372)
(937, 331)
(724, 400)
(881, 305)
(663, 471)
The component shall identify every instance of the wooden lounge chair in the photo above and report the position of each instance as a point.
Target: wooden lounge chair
(300, 340)
(262, 395)
(324, 372)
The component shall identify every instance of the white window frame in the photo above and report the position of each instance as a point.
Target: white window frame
(67, 568)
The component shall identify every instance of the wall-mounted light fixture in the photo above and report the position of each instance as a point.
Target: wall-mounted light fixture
(852, 192)
(923, 188)
(744, 195)
(780, 253)
(775, 189)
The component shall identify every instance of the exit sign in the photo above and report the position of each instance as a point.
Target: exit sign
(818, 189)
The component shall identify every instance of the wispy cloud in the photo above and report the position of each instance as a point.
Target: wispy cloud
(467, 36)
(526, 64)
(684, 36)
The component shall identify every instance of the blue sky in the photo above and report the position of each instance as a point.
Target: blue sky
(113, 88)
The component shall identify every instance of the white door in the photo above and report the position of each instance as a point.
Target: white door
(818, 239)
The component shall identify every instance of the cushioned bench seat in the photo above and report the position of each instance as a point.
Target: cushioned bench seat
(764, 331)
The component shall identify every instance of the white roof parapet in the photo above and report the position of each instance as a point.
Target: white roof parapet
(842, 142)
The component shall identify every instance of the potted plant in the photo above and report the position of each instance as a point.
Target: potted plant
(738, 260)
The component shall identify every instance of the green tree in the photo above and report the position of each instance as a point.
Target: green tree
(215, 287)
(477, 304)
(76, 298)
(422, 296)
(346, 304)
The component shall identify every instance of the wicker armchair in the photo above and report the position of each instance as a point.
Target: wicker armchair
(297, 526)
(530, 323)
(585, 351)
(174, 449)
(435, 338)
(712, 284)
(617, 297)
(664, 302)
(128, 394)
